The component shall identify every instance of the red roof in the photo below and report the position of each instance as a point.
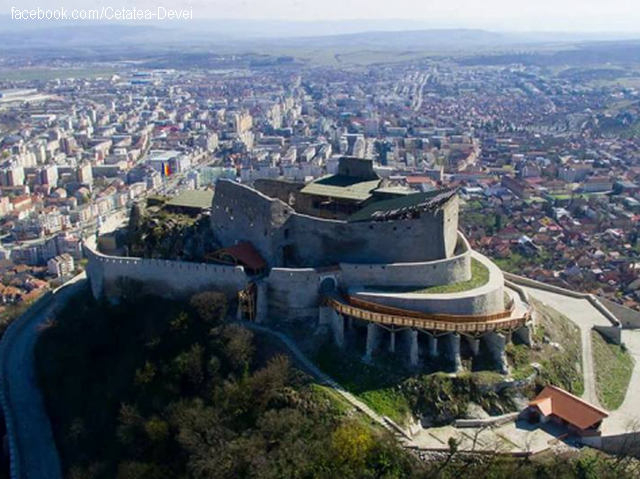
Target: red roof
(560, 403)
(246, 254)
(412, 180)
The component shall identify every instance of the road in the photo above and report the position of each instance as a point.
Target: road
(421, 81)
(585, 316)
(627, 417)
(34, 449)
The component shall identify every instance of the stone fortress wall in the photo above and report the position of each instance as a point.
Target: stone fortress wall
(293, 294)
(311, 259)
(485, 300)
(423, 274)
(286, 238)
(176, 279)
(243, 214)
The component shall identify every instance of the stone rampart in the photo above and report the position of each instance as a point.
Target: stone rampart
(293, 294)
(487, 299)
(423, 274)
(109, 274)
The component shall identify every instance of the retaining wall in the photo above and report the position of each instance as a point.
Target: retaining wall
(595, 302)
(612, 333)
(490, 421)
(487, 299)
(629, 318)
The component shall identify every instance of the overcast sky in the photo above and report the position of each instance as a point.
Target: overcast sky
(512, 15)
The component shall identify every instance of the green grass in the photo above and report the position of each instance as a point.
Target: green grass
(560, 367)
(613, 367)
(337, 401)
(378, 389)
(479, 277)
(519, 357)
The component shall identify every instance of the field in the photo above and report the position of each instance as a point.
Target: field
(26, 74)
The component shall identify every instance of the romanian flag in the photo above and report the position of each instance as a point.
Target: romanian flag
(166, 170)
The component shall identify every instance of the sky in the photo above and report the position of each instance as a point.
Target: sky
(503, 15)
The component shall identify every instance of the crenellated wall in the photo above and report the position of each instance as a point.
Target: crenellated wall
(109, 274)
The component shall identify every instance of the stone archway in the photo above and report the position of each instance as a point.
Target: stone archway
(328, 285)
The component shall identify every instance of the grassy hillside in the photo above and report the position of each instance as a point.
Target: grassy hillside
(613, 366)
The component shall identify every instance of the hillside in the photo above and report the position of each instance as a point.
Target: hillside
(153, 388)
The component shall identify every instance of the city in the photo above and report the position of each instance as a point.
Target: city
(269, 182)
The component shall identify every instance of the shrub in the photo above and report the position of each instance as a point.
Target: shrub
(210, 306)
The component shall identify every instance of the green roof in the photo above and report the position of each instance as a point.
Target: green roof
(403, 205)
(340, 186)
(197, 199)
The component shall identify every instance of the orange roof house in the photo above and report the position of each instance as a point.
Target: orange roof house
(564, 408)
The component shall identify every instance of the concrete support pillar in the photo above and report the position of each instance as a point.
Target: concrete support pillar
(414, 351)
(337, 327)
(432, 346)
(325, 315)
(350, 323)
(496, 344)
(524, 334)
(474, 345)
(262, 308)
(392, 341)
(453, 351)
(373, 337)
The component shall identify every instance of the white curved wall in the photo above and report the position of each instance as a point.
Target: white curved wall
(487, 299)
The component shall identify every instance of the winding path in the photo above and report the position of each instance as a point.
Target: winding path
(581, 312)
(32, 447)
(326, 380)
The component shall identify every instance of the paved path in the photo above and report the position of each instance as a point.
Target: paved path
(627, 417)
(33, 451)
(32, 447)
(585, 316)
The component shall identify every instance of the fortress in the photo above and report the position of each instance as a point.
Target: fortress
(377, 267)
